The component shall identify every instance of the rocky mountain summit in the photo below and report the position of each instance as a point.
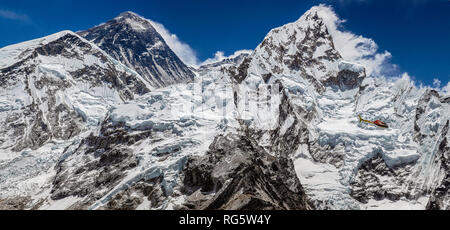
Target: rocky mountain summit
(133, 40)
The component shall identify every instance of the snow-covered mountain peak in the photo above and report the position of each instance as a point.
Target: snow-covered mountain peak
(132, 40)
(316, 19)
(134, 20)
(319, 13)
(42, 40)
(301, 49)
(128, 14)
(9, 55)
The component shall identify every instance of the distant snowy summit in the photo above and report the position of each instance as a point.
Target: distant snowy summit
(133, 40)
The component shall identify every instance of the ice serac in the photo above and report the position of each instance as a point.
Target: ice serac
(134, 41)
(134, 158)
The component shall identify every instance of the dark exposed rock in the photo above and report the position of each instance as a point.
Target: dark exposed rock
(106, 160)
(18, 203)
(445, 100)
(114, 134)
(345, 80)
(237, 174)
(266, 77)
(284, 144)
(368, 183)
(241, 72)
(143, 49)
(440, 197)
(63, 124)
(131, 198)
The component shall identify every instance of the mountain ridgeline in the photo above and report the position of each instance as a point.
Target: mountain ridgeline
(111, 118)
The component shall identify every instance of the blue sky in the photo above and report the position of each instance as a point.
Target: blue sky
(415, 32)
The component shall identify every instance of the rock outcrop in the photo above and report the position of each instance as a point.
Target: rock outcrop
(237, 174)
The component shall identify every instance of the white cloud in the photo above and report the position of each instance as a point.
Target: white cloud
(185, 52)
(7, 14)
(181, 49)
(446, 89)
(220, 56)
(355, 48)
(436, 83)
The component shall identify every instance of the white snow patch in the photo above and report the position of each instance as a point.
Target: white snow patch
(62, 204)
(401, 204)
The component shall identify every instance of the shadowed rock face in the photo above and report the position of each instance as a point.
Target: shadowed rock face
(236, 174)
(133, 197)
(104, 162)
(239, 73)
(346, 79)
(18, 203)
(440, 198)
(134, 41)
(369, 184)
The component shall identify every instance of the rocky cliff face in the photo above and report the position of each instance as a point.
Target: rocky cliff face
(237, 174)
(134, 41)
(439, 195)
(431, 132)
